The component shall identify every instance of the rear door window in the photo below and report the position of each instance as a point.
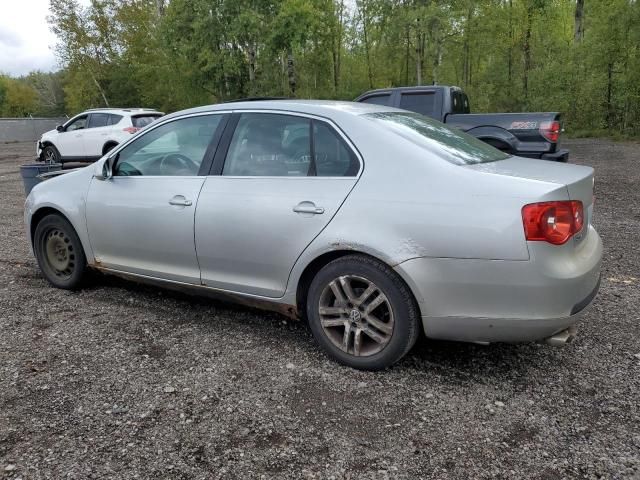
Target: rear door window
(270, 145)
(383, 99)
(419, 102)
(98, 120)
(141, 121)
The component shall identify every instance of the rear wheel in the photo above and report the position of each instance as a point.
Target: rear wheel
(362, 313)
(50, 154)
(59, 252)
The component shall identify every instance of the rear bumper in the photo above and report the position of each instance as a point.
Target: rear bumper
(476, 300)
(558, 156)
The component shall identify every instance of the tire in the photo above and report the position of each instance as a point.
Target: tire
(50, 154)
(387, 331)
(59, 253)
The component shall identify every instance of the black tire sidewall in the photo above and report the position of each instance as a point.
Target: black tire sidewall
(392, 286)
(56, 154)
(57, 221)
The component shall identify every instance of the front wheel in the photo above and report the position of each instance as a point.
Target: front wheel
(50, 154)
(59, 252)
(362, 313)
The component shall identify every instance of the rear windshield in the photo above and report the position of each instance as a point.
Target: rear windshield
(141, 121)
(456, 146)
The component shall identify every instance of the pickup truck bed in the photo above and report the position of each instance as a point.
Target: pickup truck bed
(533, 135)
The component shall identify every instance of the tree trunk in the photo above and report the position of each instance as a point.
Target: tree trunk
(579, 19)
(291, 72)
(526, 48)
(102, 94)
(437, 59)
(510, 59)
(252, 69)
(337, 48)
(363, 10)
(419, 45)
(466, 65)
(609, 93)
(406, 60)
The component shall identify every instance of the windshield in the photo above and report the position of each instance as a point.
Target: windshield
(458, 147)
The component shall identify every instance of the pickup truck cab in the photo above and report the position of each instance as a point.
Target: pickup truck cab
(533, 135)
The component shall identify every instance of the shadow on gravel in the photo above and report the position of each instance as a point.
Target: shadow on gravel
(459, 363)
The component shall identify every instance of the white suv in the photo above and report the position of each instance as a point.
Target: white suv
(89, 135)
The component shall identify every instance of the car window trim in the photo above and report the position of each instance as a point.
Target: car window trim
(209, 152)
(223, 148)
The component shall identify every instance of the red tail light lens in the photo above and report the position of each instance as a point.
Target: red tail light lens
(130, 129)
(553, 222)
(550, 130)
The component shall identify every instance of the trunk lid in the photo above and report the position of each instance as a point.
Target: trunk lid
(578, 179)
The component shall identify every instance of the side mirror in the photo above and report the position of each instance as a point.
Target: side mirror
(107, 168)
(60, 128)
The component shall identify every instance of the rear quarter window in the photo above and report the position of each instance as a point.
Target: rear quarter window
(455, 146)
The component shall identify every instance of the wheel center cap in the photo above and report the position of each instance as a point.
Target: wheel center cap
(355, 316)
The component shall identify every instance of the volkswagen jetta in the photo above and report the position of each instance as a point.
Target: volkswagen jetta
(371, 222)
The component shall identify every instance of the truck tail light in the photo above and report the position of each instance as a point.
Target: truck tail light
(553, 222)
(550, 130)
(131, 130)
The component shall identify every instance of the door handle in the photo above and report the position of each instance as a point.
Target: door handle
(180, 201)
(308, 207)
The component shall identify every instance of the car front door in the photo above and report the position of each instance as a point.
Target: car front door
(141, 219)
(70, 141)
(96, 134)
(280, 183)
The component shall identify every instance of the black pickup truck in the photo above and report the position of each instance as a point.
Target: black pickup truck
(532, 135)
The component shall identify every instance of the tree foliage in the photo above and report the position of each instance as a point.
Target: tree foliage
(580, 57)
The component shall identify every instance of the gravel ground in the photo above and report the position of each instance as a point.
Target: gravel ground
(124, 381)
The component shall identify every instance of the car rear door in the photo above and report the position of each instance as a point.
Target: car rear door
(277, 181)
(141, 220)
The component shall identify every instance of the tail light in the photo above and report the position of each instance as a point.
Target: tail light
(130, 129)
(550, 130)
(553, 222)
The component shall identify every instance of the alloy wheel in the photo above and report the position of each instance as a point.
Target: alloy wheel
(356, 315)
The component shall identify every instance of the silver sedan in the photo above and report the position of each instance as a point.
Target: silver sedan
(372, 223)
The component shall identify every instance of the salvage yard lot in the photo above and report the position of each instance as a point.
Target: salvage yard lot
(125, 381)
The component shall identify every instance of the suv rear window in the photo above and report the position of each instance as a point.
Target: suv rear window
(141, 121)
(455, 146)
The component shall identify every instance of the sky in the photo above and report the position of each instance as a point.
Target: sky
(26, 43)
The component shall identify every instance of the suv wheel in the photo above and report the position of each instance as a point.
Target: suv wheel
(50, 154)
(362, 313)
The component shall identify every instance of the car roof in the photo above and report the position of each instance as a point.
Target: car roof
(322, 108)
